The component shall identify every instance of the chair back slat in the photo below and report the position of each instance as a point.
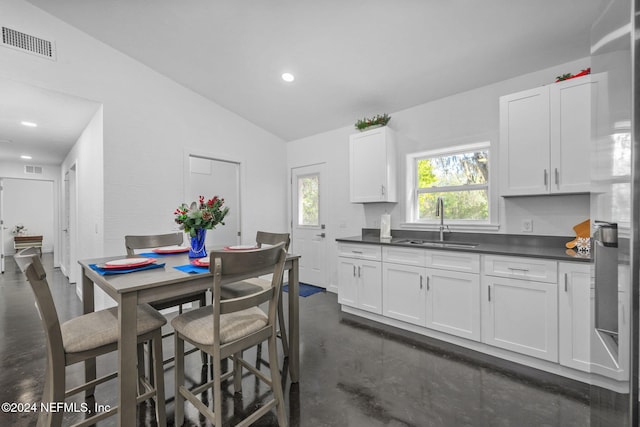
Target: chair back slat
(232, 265)
(151, 241)
(267, 238)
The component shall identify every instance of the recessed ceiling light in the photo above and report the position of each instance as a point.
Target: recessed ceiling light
(29, 124)
(25, 157)
(288, 77)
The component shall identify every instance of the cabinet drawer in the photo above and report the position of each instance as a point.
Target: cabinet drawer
(405, 256)
(539, 270)
(454, 261)
(371, 252)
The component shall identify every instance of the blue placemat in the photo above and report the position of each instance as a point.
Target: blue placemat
(106, 271)
(157, 255)
(192, 269)
(305, 289)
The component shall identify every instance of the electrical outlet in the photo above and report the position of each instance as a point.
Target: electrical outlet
(527, 225)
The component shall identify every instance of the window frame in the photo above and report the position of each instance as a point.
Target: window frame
(412, 208)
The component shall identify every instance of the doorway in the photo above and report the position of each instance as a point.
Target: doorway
(308, 218)
(35, 213)
(208, 177)
(69, 225)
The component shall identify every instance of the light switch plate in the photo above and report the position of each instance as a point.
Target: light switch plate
(527, 225)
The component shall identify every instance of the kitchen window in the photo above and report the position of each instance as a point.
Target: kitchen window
(460, 176)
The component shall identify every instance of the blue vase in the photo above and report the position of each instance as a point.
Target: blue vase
(197, 249)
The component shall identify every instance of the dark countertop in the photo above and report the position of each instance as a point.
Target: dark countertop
(549, 247)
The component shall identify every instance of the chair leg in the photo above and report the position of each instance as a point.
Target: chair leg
(161, 416)
(179, 380)
(275, 381)
(152, 373)
(237, 373)
(54, 389)
(141, 368)
(283, 327)
(203, 355)
(217, 390)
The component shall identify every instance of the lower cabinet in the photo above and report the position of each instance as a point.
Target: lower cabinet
(360, 280)
(574, 309)
(403, 293)
(521, 316)
(453, 303)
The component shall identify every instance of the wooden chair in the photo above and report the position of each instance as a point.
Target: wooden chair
(86, 337)
(152, 241)
(228, 327)
(256, 284)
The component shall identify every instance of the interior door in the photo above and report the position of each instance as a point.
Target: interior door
(2, 230)
(308, 230)
(210, 177)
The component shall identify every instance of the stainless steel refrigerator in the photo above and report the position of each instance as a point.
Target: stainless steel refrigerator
(615, 173)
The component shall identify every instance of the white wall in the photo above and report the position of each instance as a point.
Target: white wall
(464, 117)
(149, 122)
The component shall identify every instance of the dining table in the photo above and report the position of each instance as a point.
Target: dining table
(172, 280)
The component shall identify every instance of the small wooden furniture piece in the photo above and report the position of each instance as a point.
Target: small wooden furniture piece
(83, 338)
(228, 327)
(27, 241)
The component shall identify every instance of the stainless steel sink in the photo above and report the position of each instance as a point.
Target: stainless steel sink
(437, 243)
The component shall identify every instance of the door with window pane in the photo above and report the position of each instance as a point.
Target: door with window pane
(308, 224)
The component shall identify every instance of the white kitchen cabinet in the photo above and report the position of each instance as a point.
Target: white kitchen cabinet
(372, 166)
(544, 137)
(404, 293)
(453, 303)
(574, 310)
(360, 277)
(520, 314)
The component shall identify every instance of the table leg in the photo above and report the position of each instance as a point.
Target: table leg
(294, 322)
(127, 348)
(88, 307)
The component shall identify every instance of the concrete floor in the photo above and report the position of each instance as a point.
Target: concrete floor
(352, 374)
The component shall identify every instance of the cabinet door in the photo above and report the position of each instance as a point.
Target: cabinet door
(370, 286)
(521, 316)
(372, 166)
(524, 142)
(453, 303)
(403, 293)
(574, 308)
(571, 104)
(348, 281)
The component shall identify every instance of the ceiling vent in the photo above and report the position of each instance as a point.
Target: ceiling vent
(28, 43)
(32, 170)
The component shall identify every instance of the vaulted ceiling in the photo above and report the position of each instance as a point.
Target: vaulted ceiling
(350, 58)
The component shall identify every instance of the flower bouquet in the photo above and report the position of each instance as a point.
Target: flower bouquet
(199, 217)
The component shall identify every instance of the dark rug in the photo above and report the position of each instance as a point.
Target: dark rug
(305, 290)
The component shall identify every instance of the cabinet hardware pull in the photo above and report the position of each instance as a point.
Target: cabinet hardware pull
(524, 270)
(428, 277)
(356, 252)
(359, 271)
(565, 282)
(489, 292)
(557, 176)
(546, 178)
(421, 281)
(354, 271)
(382, 189)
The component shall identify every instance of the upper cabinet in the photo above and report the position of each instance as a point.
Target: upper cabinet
(544, 139)
(372, 166)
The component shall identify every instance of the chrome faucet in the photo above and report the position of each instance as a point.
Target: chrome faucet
(440, 213)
